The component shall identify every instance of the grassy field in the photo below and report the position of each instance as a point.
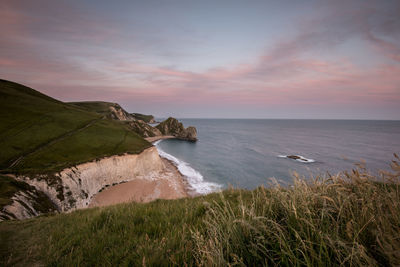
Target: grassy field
(39, 134)
(349, 219)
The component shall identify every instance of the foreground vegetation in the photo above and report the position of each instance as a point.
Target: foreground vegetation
(39, 134)
(349, 219)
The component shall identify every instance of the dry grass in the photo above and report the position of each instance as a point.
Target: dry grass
(351, 219)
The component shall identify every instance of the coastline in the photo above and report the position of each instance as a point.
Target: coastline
(160, 137)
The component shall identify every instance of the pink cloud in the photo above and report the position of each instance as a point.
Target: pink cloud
(288, 74)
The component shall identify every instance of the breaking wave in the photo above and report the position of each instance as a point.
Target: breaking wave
(194, 178)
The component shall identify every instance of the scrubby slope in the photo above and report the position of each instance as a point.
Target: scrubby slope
(39, 134)
(349, 219)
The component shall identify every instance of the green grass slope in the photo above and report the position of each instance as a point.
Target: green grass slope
(344, 220)
(39, 134)
(94, 106)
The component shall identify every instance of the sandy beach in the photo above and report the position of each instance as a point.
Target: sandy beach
(168, 184)
(160, 137)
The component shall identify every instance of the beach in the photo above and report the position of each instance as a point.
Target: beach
(168, 184)
(160, 137)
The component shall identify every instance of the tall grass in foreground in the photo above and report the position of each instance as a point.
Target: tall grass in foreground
(349, 219)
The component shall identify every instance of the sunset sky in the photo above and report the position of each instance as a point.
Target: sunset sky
(210, 59)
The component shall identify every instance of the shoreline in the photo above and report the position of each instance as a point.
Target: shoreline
(169, 184)
(160, 137)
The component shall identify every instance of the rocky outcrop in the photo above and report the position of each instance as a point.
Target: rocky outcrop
(143, 129)
(27, 202)
(190, 133)
(73, 188)
(143, 117)
(172, 126)
(118, 113)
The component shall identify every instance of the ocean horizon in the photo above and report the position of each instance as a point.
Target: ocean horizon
(247, 153)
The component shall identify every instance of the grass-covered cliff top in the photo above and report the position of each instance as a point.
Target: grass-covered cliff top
(349, 219)
(39, 134)
(95, 106)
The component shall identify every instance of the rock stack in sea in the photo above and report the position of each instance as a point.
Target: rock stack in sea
(172, 126)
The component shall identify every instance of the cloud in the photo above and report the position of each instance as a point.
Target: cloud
(75, 55)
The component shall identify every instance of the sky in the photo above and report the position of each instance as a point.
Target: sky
(210, 59)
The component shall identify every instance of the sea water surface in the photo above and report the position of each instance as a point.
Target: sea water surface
(246, 153)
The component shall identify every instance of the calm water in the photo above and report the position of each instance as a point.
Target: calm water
(244, 153)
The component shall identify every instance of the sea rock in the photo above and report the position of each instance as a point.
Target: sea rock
(293, 157)
(189, 134)
(298, 158)
(172, 126)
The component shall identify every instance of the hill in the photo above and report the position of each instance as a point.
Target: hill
(348, 219)
(39, 134)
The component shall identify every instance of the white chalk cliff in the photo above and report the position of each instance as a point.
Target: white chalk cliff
(73, 188)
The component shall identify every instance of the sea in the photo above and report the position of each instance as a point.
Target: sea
(247, 153)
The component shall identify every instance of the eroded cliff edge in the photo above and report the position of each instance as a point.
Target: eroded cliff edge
(73, 188)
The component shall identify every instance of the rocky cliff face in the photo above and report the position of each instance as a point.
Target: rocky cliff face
(73, 188)
(172, 126)
(143, 117)
(143, 129)
(118, 113)
(26, 203)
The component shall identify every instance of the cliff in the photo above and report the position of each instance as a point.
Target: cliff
(59, 155)
(172, 126)
(20, 200)
(143, 129)
(143, 117)
(74, 188)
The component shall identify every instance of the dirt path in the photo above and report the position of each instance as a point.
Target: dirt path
(156, 138)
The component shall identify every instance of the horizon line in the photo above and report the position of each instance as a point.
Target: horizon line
(335, 119)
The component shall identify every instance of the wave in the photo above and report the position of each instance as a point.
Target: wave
(297, 158)
(194, 178)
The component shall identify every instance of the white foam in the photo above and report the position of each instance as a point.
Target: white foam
(193, 177)
(301, 158)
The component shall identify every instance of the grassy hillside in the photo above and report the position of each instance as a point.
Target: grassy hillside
(94, 106)
(106, 109)
(349, 219)
(39, 134)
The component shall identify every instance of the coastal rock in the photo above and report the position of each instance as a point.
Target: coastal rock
(143, 129)
(118, 113)
(297, 158)
(189, 134)
(26, 203)
(143, 117)
(293, 157)
(172, 126)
